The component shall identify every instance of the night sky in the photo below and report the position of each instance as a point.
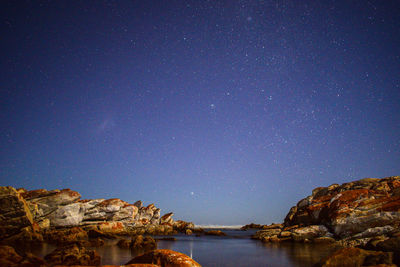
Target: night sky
(224, 112)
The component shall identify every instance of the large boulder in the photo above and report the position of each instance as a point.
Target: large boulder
(14, 212)
(165, 257)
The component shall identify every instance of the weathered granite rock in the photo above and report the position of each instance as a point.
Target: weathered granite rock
(357, 257)
(9, 257)
(14, 212)
(310, 232)
(165, 257)
(167, 219)
(353, 213)
(43, 202)
(64, 208)
(350, 208)
(73, 254)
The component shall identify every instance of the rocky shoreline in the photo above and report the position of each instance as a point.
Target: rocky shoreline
(62, 218)
(360, 218)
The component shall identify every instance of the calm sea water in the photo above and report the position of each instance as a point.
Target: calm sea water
(237, 249)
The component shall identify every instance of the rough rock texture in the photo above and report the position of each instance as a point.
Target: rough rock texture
(350, 208)
(165, 257)
(353, 213)
(73, 254)
(44, 211)
(138, 242)
(9, 257)
(15, 213)
(357, 257)
(65, 236)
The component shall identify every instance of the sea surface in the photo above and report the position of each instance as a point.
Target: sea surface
(236, 249)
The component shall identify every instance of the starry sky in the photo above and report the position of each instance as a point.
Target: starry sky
(224, 112)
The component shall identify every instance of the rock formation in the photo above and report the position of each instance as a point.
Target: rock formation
(364, 213)
(25, 212)
(358, 210)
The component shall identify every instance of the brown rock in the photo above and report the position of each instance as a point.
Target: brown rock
(188, 232)
(73, 254)
(351, 208)
(123, 243)
(97, 242)
(167, 218)
(9, 257)
(181, 226)
(143, 242)
(251, 226)
(14, 212)
(267, 234)
(165, 257)
(27, 235)
(215, 233)
(93, 233)
(65, 236)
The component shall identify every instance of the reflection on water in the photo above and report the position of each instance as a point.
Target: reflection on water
(235, 250)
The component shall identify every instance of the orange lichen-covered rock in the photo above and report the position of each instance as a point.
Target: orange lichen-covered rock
(350, 208)
(165, 257)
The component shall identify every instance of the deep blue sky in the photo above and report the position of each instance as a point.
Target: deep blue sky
(224, 112)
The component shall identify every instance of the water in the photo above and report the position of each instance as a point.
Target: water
(237, 249)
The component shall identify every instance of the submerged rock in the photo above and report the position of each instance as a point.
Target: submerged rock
(165, 257)
(215, 232)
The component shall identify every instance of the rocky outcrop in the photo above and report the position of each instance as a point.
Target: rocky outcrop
(350, 208)
(138, 242)
(353, 213)
(62, 209)
(165, 257)
(73, 254)
(65, 209)
(15, 214)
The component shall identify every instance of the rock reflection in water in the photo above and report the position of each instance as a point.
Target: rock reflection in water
(219, 251)
(301, 254)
